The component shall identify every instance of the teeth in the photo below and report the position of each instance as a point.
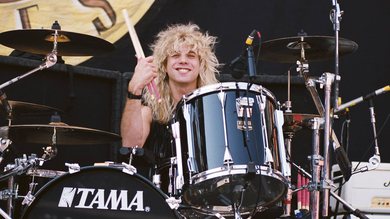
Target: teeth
(183, 70)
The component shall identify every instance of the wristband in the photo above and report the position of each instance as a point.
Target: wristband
(133, 96)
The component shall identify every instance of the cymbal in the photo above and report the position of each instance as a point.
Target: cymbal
(40, 41)
(316, 48)
(19, 107)
(294, 122)
(64, 134)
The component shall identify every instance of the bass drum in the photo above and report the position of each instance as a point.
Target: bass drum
(99, 192)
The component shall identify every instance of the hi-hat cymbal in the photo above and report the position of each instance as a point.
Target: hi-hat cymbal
(19, 107)
(40, 41)
(61, 134)
(294, 122)
(316, 48)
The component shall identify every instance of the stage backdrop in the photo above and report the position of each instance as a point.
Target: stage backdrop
(362, 72)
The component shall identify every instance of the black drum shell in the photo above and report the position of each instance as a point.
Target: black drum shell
(105, 179)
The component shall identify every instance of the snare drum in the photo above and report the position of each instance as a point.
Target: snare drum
(229, 148)
(99, 192)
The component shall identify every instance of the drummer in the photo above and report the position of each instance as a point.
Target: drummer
(183, 60)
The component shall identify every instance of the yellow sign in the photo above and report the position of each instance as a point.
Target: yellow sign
(99, 18)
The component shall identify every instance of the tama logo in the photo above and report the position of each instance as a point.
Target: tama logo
(88, 198)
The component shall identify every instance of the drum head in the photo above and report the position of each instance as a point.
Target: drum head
(99, 192)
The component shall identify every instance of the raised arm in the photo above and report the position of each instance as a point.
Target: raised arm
(137, 118)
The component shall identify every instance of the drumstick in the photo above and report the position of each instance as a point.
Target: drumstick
(139, 52)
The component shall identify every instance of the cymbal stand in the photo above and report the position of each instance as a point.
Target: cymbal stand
(335, 17)
(50, 60)
(288, 198)
(317, 161)
(353, 210)
(327, 80)
(287, 140)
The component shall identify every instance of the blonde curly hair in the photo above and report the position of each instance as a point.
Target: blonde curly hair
(167, 43)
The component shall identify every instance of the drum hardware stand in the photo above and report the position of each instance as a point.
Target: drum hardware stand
(325, 81)
(335, 17)
(317, 162)
(353, 210)
(288, 198)
(50, 60)
(341, 155)
(375, 160)
(287, 104)
(21, 166)
(289, 136)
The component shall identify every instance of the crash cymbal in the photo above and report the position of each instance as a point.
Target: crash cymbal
(40, 41)
(294, 122)
(19, 107)
(62, 133)
(316, 48)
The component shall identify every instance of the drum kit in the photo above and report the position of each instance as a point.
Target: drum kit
(232, 142)
(52, 43)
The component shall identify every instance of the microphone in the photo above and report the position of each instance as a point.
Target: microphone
(6, 106)
(239, 65)
(362, 98)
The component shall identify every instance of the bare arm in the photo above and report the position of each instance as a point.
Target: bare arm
(135, 123)
(137, 118)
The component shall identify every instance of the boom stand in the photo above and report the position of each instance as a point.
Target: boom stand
(51, 59)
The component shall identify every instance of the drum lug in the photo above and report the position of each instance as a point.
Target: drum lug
(244, 107)
(129, 169)
(28, 199)
(227, 157)
(174, 203)
(73, 167)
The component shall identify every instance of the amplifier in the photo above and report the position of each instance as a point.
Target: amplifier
(367, 191)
